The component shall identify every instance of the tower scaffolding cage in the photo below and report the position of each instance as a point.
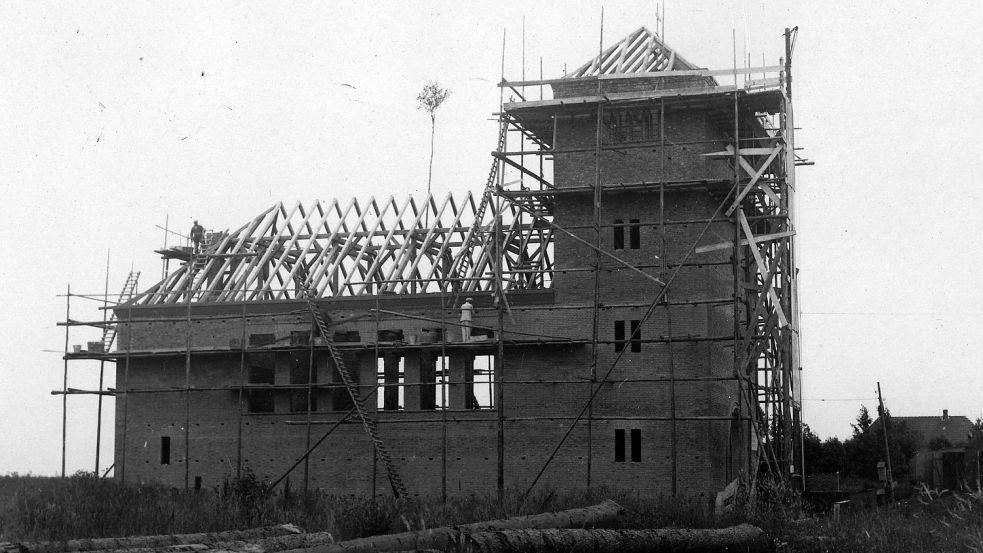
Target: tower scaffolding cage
(757, 201)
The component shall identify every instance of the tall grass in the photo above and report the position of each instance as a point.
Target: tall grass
(83, 506)
(931, 521)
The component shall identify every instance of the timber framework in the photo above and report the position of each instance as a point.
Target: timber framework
(616, 306)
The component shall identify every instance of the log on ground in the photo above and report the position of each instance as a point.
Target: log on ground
(161, 541)
(446, 537)
(742, 538)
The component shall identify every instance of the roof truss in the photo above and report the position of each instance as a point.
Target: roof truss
(355, 249)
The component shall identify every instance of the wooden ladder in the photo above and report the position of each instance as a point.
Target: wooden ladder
(368, 423)
(472, 237)
(129, 288)
(200, 259)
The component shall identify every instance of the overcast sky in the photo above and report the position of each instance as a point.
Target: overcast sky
(114, 120)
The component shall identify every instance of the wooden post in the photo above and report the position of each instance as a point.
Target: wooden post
(887, 450)
(736, 279)
(242, 385)
(673, 447)
(311, 371)
(375, 377)
(102, 366)
(444, 402)
(596, 222)
(187, 377)
(499, 369)
(500, 343)
(64, 383)
(126, 388)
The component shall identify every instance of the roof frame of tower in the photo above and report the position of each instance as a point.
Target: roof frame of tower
(641, 51)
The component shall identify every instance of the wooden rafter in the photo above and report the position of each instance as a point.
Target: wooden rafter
(345, 249)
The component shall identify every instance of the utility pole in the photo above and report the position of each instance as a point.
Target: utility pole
(887, 451)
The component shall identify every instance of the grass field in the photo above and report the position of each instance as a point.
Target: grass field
(40, 508)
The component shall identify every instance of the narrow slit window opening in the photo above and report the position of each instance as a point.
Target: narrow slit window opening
(483, 372)
(442, 370)
(619, 336)
(619, 234)
(636, 336)
(165, 450)
(636, 445)
(390, 380)
(635, 234)
(619, 445)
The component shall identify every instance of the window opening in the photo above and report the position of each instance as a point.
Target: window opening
(630, 125)
(619, 336)
(483, 373)
(619, 234)
(636, 445)
(301, 374)
(261, 371)
(636, 336)
(340, 398)
(619, 445)
(635, 234)
(442, 370)
(260, 340)
(428, 381)
(165, 450)
(390, 378)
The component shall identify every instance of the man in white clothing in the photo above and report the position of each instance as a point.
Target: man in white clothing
(467, 313)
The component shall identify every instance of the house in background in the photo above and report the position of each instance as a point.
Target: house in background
(943, 459)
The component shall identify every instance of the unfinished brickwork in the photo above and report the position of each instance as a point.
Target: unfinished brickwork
(629, 330)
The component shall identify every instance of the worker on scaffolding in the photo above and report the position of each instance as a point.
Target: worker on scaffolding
(197, 236)
(467, 314)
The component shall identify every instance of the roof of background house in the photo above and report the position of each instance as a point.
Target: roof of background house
(956, 429)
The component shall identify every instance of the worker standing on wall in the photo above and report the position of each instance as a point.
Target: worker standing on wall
(467, 314)
(197, 236)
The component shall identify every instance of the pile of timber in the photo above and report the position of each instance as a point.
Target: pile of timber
(588, 529)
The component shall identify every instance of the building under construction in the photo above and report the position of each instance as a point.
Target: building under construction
(630, 263)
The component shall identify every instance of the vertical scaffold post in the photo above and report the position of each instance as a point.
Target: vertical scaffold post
(673, 446)
(102, 365)
(443, 396)
(126, 394)
(242, 386)
(596, 223)
(64, 383)
(187, 377)
(499, 369)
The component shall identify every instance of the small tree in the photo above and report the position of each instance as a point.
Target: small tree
(976, 434)
(863, 422)
(866, 447)
(429, 99)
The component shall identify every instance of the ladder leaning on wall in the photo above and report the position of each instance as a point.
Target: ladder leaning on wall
(472, 237)
(368, 423)
(111, 328)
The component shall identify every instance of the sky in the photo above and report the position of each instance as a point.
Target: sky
(118, 118)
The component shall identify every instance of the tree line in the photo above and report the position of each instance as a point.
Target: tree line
(859, 454)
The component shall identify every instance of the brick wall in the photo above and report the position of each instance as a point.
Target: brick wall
(545, 385)
(689, 133)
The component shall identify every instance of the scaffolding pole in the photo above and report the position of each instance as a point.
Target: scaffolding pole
(64, 385)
